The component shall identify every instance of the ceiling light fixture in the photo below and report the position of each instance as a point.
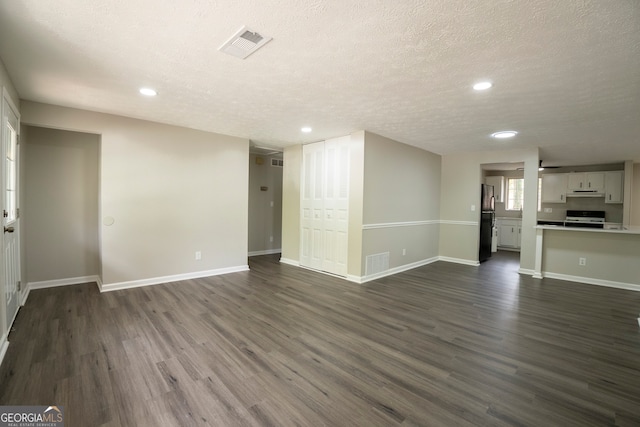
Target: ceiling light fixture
(306, 129)
(482, 85)
(504, 134)
(147, 91)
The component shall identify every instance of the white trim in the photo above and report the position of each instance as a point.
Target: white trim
(527, 271)
(399, 224)
(25, 294)
(592, 281)
(166, 279)
(6, 95)
(459, 261)
(62, 282)
(391, 271)
(537, 274)
(446, 221)
(265, 252)
(508, 249)
(290, 262)
(4, 345)
(355, 279)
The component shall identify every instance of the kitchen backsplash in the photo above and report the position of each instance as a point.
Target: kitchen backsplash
(613, 212)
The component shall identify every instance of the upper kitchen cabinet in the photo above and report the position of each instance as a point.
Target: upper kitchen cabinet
(554, 188)
(614, 183)
(498, 187)
(593, 181)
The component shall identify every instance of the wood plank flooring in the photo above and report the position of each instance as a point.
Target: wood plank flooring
(444, 344)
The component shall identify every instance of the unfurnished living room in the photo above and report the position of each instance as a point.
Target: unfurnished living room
(307, 213)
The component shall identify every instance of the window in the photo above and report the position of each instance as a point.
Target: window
(515, 193)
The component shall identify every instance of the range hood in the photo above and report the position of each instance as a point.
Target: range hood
(584, 193)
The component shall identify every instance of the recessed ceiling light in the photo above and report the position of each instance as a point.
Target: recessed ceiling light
(306, 129)
(147, 91)
(504, 134)
(482, 85)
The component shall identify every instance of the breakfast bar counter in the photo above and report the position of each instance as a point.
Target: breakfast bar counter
(623, 230)
(600, 256)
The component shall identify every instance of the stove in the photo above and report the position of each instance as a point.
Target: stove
(590, 219)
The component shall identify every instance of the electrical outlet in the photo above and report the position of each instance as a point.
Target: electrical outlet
(473, 208)
(548, 210)
(582, 261)
(198, 255)
(404, 252)
(271, 239)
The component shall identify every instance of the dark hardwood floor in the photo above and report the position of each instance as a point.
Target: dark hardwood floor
(444, 344)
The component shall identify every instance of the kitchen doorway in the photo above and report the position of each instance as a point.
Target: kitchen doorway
(507, 180)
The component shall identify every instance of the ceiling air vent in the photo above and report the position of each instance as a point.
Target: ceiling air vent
(243, 43)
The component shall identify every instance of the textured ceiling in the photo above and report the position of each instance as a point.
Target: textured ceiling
(566, 73)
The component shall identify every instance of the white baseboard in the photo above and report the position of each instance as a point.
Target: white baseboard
(62, 282)
(290, 262)
(391, 271)
(265, 252)
(25, 294)
(527, 271)
(592, 281)
(165, 279)
(459, 261)
(4, 345)
(502, 248)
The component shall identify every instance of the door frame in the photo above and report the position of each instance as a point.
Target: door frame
(20, 293)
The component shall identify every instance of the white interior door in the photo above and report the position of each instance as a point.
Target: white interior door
(312, 206)
(336, 206)
(324, 206)
(10, 218)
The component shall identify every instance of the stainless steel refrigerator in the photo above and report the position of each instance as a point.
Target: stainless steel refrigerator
(487, 219)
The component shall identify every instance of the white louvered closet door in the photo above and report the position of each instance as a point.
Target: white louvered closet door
(312, 203)
(325, 206)
(336, 205)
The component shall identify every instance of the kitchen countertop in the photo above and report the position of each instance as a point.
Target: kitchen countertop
(627, 230)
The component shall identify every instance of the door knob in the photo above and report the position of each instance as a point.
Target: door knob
(9, 229)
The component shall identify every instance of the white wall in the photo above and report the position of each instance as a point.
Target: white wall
(291, 204)
(610, 257)
(171, 191)
(461, 179)
(401, 204)
(60, 222)
(265, 207)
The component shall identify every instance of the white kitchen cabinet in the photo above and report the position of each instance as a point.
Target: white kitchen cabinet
(509, 233)
(498, 187)
(554, 188)
(613, 188)
(586, 181)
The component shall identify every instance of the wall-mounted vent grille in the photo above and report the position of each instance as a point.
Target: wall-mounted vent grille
(243, 43)
(277, 163)
(376, 263)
